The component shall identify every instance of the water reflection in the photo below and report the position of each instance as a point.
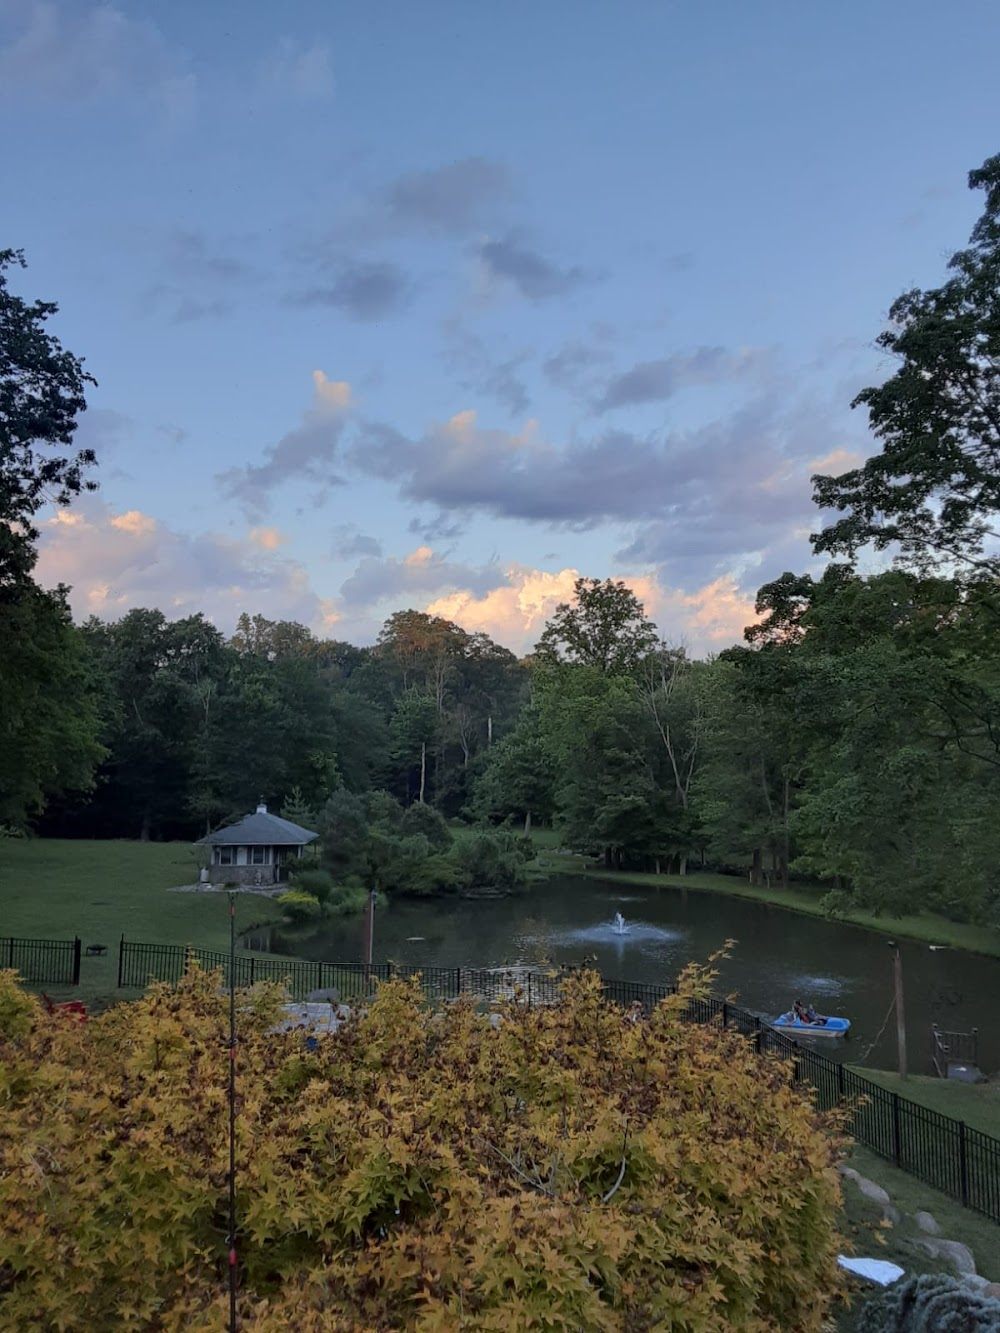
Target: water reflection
(779, 955)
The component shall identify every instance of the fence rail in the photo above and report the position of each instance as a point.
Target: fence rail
(54, 961)
(945, 1153)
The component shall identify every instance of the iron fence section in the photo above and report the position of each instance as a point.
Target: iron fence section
(943, 1152)
(56, 962)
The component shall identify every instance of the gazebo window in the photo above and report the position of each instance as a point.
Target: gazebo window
(225, 856)
(258, 856)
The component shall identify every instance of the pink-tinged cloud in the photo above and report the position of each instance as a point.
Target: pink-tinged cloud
(514, 613)
(115, 562)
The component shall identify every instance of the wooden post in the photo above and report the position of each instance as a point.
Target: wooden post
(897, 966)
(370, 928)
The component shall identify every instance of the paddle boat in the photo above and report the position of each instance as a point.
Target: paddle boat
(828, 1027)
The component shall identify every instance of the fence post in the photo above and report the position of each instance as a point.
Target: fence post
(963, 1164)
(840, 1082)
(319, 976)
(121, 959)
(896, 1144)
(725, 1014)
(252, 961)
(758, 1037)
(76, 960)
(11, 960)
(458, 982)
(529, 989)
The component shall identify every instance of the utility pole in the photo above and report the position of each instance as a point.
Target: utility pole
(897, 967)
(370, 927)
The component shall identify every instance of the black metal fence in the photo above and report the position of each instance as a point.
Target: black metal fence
(946, 1153)
(56, 962)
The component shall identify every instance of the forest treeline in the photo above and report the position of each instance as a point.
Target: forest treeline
(854, 738)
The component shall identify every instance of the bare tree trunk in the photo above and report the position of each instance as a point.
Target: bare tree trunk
(489, 729)
(682, 865)
(145, 829)
(756, 868)
(423, 771)
(527, 822)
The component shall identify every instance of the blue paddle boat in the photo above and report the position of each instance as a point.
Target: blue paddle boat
(827, 1027)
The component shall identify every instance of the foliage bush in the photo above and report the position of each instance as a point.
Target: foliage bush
(930, 1303)
(497, 858)
(314, 881)
(299, 906)
(422, 1169)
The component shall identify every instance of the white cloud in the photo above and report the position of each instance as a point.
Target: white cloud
(300, 71)
(92, 54)
(114, 562)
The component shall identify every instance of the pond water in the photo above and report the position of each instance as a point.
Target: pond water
(779, 955)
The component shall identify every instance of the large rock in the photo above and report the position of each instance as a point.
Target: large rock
(953, 1252)
(848, 1172)
(872, 1191)
(927, 1223)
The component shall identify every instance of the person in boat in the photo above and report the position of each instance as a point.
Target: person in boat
(805, 1013)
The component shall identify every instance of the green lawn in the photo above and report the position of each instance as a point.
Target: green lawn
(799, 898)
(55, 889)
(977, 1104)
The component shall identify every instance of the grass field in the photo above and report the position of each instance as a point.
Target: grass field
(798, 898)
(54, 889)
(977, 1104)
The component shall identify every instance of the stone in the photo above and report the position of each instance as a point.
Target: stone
(328, 996)
(976, 1283)
(892, 1215)
(872, 1191)
(848, 1172)
(927, 1223)
(992, 1290)
(953, 1252)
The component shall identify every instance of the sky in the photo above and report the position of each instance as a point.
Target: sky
(443, 305)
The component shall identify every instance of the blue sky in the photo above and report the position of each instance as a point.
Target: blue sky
(439, 305)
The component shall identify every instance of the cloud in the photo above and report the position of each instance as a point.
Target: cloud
(451, 199)
(348, 543)
(514, 610)
(571, 367)
(268, 539)
(362, 289)
(304, 454)
(421, 572)
(117, 561)
(479, 371)
(656, 381)
(93, 54)
(199, 279)
(300, 71)
(529, 272)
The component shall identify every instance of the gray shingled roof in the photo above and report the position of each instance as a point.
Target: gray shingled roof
(260, 830)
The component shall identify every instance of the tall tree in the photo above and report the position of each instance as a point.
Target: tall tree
(934, 489)
(41, 396)
(605, 627)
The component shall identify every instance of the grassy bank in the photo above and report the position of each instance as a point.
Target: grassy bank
(55, 889)
(977, 1104)
(924, 926)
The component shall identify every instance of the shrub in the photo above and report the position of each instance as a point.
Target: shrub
(314, 881)
(568, 1169)
(347, 900)
(494, 858)
(299, 906)
(931, 1303)
(425, 819)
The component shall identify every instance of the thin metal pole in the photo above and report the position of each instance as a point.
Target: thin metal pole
(370, 928)
(897, 968)
(232, 1113)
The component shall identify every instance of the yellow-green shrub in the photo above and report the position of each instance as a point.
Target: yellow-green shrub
(420, 1170)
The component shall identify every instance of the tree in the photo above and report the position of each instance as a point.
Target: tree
(256, 636)
(49, 720)
(670, 690)
(568, 1168)
(41, 395)
(606, 627)
(935, 487)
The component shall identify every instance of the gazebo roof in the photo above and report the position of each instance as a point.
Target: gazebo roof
(260, 830)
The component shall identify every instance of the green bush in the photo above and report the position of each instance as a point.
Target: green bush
(346, 900)
(316, 882)
(931, 1303)
(299, 906)
(494, 858)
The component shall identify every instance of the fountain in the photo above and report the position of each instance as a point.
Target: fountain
(618, 925)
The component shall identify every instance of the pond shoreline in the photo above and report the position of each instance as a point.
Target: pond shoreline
(923, 929)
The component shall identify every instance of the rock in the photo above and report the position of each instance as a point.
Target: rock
(953, 1251)
(976, 1283)
(848, 1171)
(892, 1215)
(872, 1191)
(927, 1224)
(992, 1290)
(329, 996)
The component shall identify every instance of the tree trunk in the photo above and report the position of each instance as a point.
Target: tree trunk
(657, 864)
(423, 771)
(489, 729)
(756, 868)
(786, 843)
(527, 822)
(607, 858)
(145, 829)
(682, 865)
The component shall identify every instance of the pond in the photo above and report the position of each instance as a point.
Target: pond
(779, 955)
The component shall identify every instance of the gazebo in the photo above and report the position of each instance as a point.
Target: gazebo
(257, 850)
